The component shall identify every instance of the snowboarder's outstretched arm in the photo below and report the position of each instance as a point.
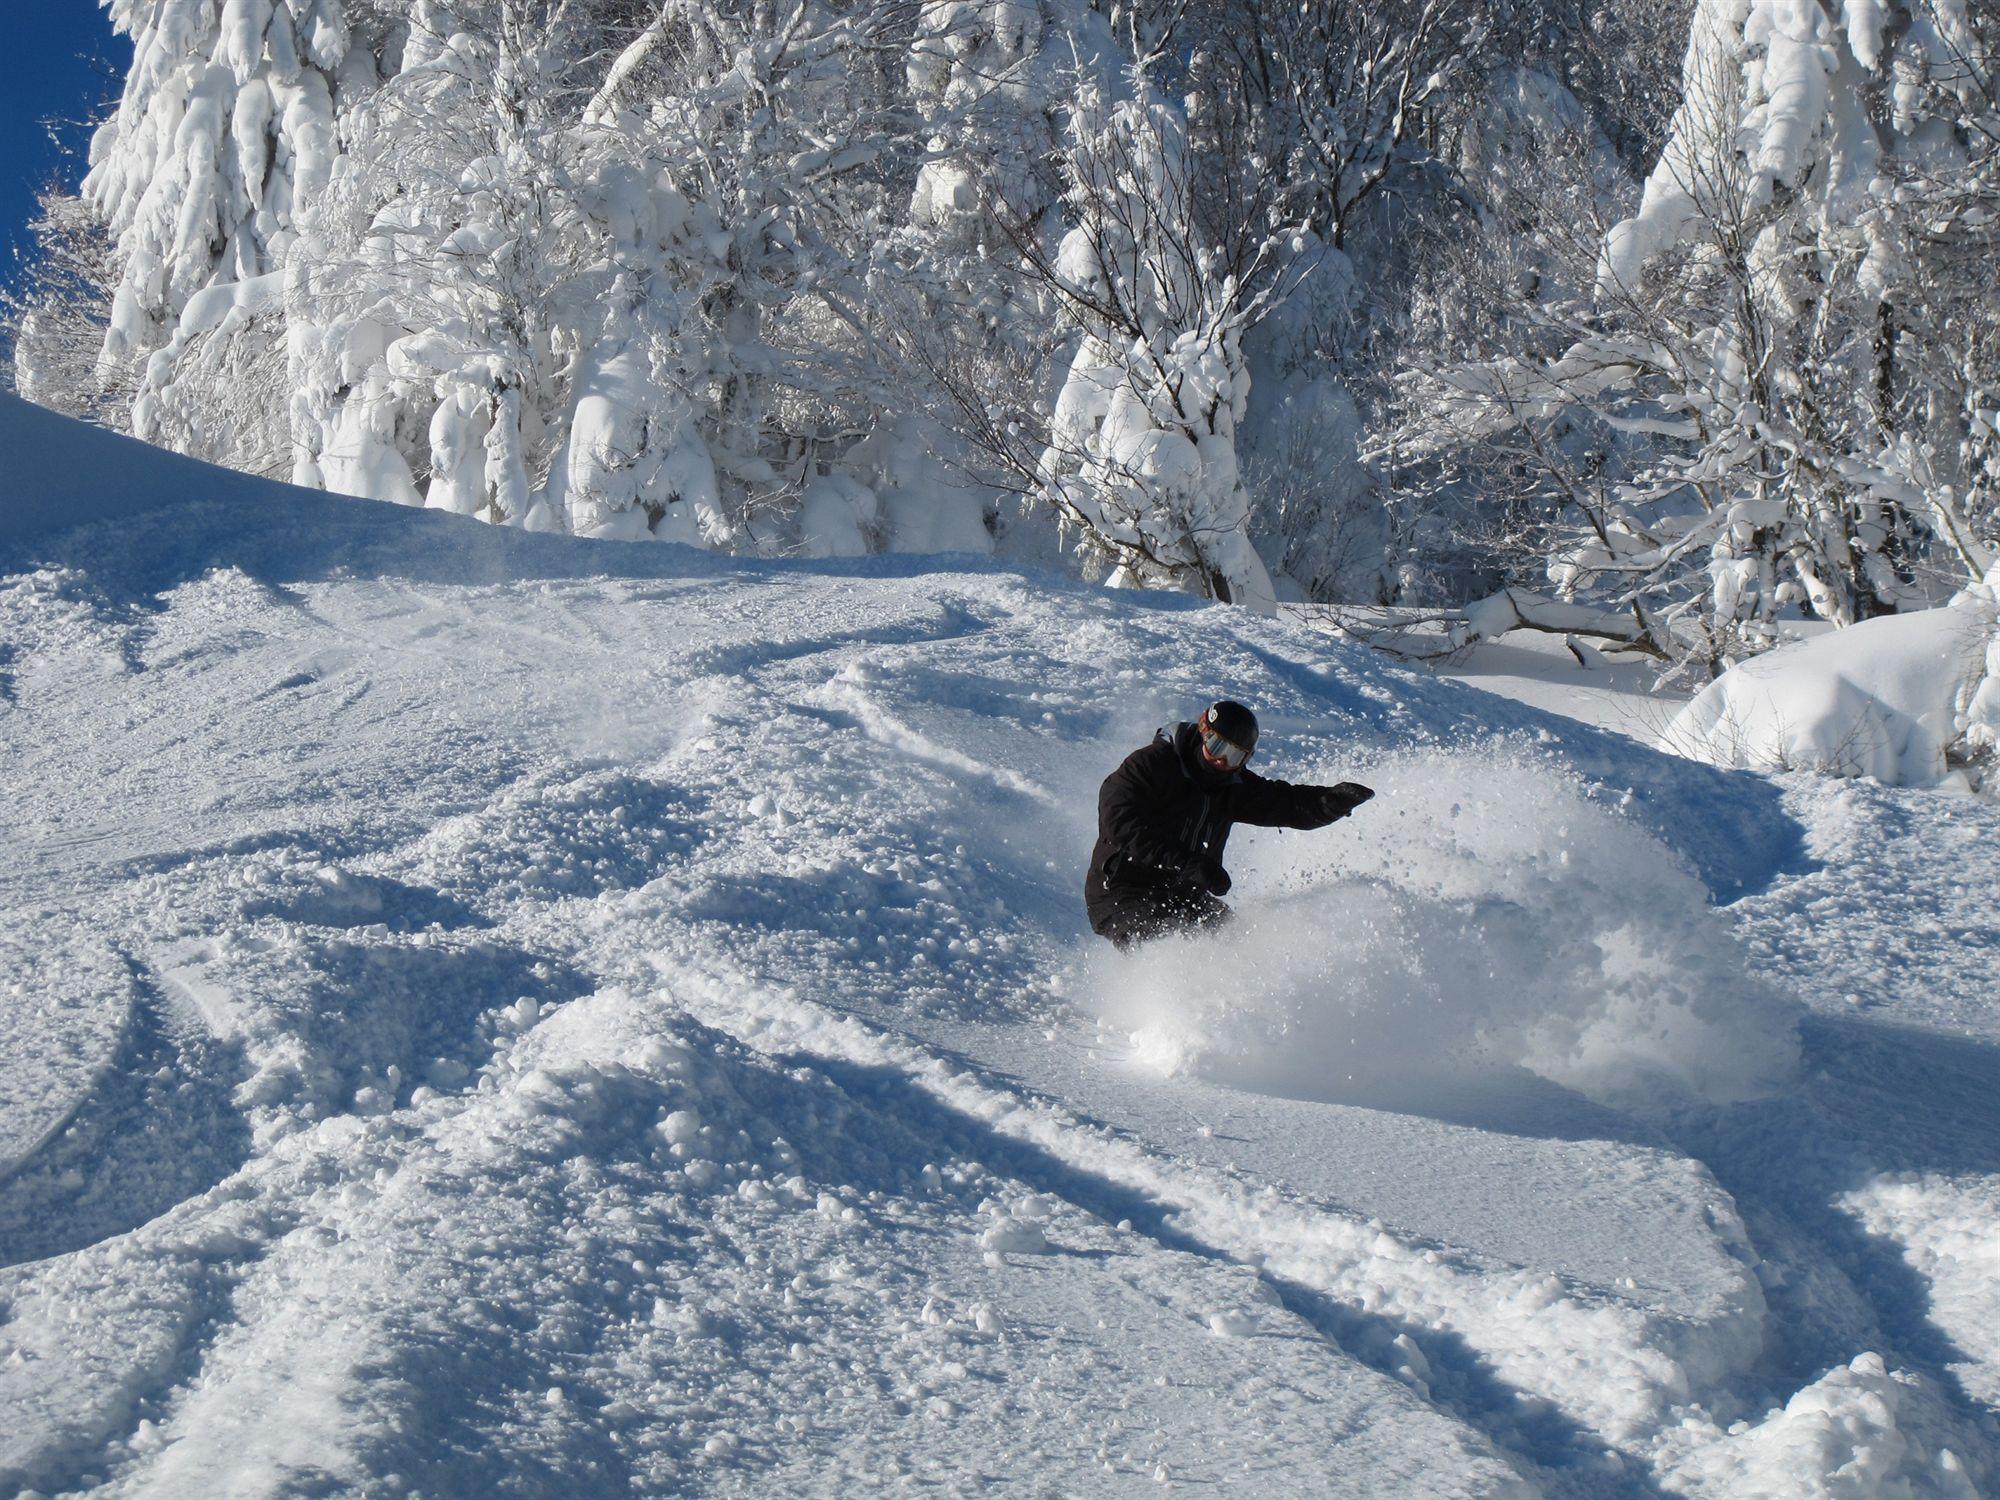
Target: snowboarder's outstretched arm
(1283, 804)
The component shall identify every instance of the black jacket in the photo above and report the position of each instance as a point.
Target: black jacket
(1162, 816)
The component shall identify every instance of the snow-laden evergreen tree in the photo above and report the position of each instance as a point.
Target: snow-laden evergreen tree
(992, 80)
(1834, 162)
(225, 134)
(792, 131)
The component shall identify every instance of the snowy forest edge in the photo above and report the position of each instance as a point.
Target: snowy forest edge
(1661, 326)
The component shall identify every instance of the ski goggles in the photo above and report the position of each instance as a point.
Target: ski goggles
(1216, 748)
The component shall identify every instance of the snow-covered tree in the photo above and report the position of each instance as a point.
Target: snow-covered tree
(1345, 103)
(426, 328)
(792, 134)
(53, 321)
(616, 287)
(1161, 276)
(581, 263)
(1718, 396)
(225, 134)
(1208, 281)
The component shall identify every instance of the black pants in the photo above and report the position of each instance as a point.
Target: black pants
(1140, 914)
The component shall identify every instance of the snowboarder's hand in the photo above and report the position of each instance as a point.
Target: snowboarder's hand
(1339, 801)
(1214, 879)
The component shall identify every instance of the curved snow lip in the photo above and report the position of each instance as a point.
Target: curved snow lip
(158, 1126)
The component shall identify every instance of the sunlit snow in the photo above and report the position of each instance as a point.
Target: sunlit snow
(499, 1013)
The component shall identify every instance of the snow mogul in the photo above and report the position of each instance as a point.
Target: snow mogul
(1163, 818)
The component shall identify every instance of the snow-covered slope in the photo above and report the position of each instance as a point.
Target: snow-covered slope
(489, 1013)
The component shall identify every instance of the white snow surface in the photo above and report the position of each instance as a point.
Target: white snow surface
(1891, 698)
(494, 1013)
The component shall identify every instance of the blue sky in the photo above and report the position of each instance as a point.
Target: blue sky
(54, 65)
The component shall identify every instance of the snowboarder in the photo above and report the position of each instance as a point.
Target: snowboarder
(1164, 816)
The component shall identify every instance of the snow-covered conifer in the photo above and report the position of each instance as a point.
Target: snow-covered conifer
(225, 134)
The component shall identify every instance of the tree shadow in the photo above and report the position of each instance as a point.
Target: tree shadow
(1463, 1383)
(1879, 1098)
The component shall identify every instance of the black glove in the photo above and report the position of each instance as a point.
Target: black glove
(1338, 801)
(1214, 879)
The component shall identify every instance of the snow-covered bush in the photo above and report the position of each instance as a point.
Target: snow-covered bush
(52, 324)
(1910, 700)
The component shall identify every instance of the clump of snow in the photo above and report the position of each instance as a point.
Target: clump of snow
(634, 465)
(1837, 1439)
(1757, 81)
(681, 1128)
(1011, 1236)
(1895, 698)
(1489, 911)
(837, 516)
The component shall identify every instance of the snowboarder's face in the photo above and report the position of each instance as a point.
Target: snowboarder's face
(1214, 764)
(1218, 756)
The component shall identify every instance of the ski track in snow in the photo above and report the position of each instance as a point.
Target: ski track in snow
(490, 1014)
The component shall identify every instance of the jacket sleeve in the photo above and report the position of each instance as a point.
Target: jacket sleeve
(1126, 805)
(1265, 803)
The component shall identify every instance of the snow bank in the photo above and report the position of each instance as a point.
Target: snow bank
(595, 1013)
(1944, 1225)
(60, 473)
(1489, 909)
(1889, 698)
